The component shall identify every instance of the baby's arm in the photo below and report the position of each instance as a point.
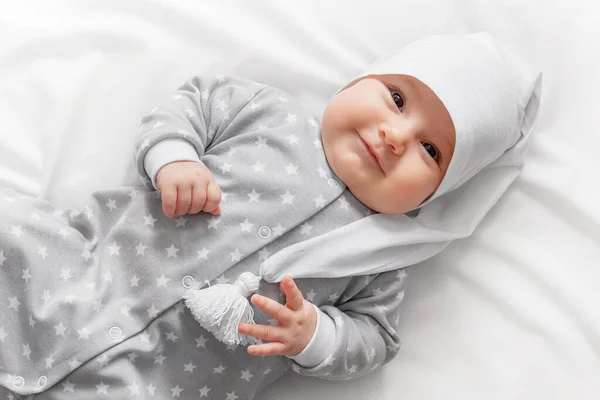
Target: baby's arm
(358, 335)
(185, 126)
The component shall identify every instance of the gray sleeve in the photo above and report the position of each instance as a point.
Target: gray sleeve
(365, 329)
(196, 115)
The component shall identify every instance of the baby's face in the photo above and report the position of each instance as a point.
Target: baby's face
(390, 139)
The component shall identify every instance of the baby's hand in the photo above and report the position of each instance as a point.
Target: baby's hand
(296, 323)
(188, 187)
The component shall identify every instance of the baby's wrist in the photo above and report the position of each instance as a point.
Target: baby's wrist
(321, 344)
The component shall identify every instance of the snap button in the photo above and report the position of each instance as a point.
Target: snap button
(264, 232)
(18, 381)
(42, 381)
(333, 182)
(187, 281)
(115, 332)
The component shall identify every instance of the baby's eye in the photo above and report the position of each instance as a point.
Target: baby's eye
(431, 150)
(398, 100)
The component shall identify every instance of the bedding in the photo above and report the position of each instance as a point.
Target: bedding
(511, 312)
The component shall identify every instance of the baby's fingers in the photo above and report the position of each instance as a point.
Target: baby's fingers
(213, 198)
(184, 200)
(198, 198)
(293, 295)
(268, 349)
(169, 199)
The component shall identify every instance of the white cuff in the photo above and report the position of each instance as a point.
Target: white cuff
(321, 344)
(165, 152)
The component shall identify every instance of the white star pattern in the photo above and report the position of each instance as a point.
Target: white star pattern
(74, 363)
(145, 337)
(226, 167)
(231, 396)
(203, 254)
(264, 254)
(322, 172)
(254, 196)
(140, 249)
(42, 252)
(133, 193)
(84, 333)
(189, 367)
(180, 222)
(132, 356)
(232, 151)
(134, 388)
(63, 232)
(13, 303)
(261, 143)
(320, 201)
(246, 226)
(112, 204)
(149, 220)
(278, 230)
(204, 391)
(151, 388)
(114, 249)
(312, 122)
(259, 167)
(68, 386)
(65, 274)
(236, 256)
(293, 139)
(86, 254)
(288, 198)
(102, 388)
(60, 329)
(246, 375)
(103, 360)
(46, 296)
(290, 119)
(201, 341)
(344, 203)
(172, 337)
(305, 228)
(125, 309)
(107, 277)
(26, 275)
(162, 281)
(219, 369)
(291, 169)
(159, 359)
(17, 231)
(49, 362)
(152, 311)
(172, 251)
(176, 391)
(310, 296)
(26, 350)
(213, 223)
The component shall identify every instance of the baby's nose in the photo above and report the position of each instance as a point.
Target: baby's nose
(393, 137)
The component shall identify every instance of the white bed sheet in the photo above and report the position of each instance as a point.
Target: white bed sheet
(513, 312)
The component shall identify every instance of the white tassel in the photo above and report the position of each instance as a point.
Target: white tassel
(221, 308)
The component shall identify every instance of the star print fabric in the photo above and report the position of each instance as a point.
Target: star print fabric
(90, 299)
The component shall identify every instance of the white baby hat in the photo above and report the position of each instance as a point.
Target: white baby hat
(493, 98)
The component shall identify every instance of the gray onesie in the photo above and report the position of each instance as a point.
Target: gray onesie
(90, 300)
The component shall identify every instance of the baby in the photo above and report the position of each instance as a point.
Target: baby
(92, 299)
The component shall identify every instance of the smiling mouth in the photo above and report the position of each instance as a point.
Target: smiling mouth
(371, 153)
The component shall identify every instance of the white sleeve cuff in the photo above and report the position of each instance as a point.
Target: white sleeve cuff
(165, 152)
(321, 344)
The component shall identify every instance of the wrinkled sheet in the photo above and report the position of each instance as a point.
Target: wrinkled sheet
(512, 312)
